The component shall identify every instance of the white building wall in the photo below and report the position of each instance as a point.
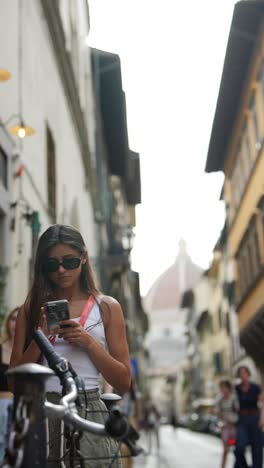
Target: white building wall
(83, 72)
(43, 102)
(165, 342)
(6, 188)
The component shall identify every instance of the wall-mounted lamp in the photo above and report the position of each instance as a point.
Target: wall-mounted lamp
(21, 130)
(4, 74)
(128, 236)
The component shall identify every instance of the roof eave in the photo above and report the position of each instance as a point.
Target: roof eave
(246, 20)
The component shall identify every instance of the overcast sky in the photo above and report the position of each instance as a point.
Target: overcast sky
(172, 56)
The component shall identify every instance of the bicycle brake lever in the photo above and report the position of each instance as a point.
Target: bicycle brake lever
(56, 362)
(78, 380)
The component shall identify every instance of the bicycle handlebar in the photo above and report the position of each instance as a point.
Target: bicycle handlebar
(116, 426)
(55, 361)
(67, 411)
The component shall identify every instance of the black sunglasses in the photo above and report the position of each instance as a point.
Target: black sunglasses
(53, 264)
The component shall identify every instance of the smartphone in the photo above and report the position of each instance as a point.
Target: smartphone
(55, 312)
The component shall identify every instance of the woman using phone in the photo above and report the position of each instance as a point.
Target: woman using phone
(94, 342)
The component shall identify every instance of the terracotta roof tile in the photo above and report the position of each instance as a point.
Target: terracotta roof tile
(167, 290)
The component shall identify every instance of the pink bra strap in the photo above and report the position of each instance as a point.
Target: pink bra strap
(87, 309)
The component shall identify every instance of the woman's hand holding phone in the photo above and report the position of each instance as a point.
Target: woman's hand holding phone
(58, 322)
(73, 332)
(56, 312)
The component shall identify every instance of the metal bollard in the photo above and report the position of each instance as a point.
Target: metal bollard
(27, 441)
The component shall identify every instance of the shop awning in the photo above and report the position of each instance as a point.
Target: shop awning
(203, 403)
(110, 95)
(133, 184)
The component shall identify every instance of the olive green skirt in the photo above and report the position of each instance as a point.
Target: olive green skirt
(92, 451)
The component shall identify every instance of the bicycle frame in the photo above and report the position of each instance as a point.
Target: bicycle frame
(27, 443)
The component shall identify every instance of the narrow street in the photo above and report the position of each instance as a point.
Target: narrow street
(182, 448)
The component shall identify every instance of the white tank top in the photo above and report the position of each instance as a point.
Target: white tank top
(79, 357)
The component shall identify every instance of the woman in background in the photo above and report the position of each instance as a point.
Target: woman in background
(251, 420)
(153, 423)
(227, 411)
(131, 407)
(6, 397)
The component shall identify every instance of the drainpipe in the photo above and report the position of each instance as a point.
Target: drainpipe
(35, 228)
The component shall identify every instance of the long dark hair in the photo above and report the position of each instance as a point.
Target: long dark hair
(42, 288)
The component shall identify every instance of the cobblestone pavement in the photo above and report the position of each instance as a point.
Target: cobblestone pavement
(181, 448)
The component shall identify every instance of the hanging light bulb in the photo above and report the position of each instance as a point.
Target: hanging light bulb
(22, 130)
(4, 74)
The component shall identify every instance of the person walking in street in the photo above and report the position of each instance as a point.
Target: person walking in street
(153, 423)
(131, 406)
(6, 397)
(251, 420)
(227, 408)
(94, 341)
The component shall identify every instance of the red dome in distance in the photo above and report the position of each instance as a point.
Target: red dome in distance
(167, 290)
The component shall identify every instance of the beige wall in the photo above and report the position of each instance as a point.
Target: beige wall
(254, 191)
(239, 216)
